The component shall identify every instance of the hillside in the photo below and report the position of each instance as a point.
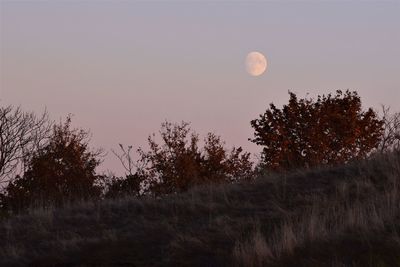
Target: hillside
(338, 216)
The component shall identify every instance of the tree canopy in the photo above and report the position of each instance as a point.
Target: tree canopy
(305, 132)
(63, 170)
(178, 163)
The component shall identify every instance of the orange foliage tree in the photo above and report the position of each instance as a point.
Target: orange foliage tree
(306, 133)
(61, 171)
(178, 163)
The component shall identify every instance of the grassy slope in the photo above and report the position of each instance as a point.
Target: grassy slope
(340, 216)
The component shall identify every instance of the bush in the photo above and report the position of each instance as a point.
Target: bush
(120, 187)
(178, 163)
(306, 133)
(63, 170)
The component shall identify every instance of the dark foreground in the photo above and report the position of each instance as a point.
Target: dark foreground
(340, 216)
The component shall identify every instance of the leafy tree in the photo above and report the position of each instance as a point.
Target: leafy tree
(306, 133)
(178, 163)
(63, 170)
(223, 165)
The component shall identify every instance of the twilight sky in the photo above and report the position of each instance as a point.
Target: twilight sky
(122, 68)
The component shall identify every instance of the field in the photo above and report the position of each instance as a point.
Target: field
(344, 215)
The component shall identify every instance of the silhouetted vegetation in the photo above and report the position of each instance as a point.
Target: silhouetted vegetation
(178, 163)
(130, 185)
(308, 133)
(391, 130)
(187, 202)
(61, 171)
(21, 134)
(333, 216)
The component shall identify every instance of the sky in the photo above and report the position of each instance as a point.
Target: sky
(121, 68)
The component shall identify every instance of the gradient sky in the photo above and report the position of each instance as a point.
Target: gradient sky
(122, 68)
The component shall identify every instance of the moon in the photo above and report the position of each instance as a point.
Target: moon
(256, 63)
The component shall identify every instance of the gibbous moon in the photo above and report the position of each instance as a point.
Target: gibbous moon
(256, 63)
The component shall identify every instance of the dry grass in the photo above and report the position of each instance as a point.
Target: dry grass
(339, 216)
(253, 252)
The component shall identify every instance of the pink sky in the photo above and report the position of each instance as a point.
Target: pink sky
(123, 68)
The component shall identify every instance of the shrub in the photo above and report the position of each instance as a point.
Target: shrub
(306, 133)
(63, 170)
(178, 163)
(128, 186)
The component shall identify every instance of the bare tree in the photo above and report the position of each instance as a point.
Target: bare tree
(125, 158)
(21, 133)
(391, 133)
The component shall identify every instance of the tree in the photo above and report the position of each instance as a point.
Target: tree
(306, 133)
(61, 171)
(178, 163)
(131, 184)
(391, 131)
(221, 165)
(21, 133)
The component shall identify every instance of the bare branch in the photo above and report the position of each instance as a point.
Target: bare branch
(21, 133)
(126, 159)
(391, 130)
